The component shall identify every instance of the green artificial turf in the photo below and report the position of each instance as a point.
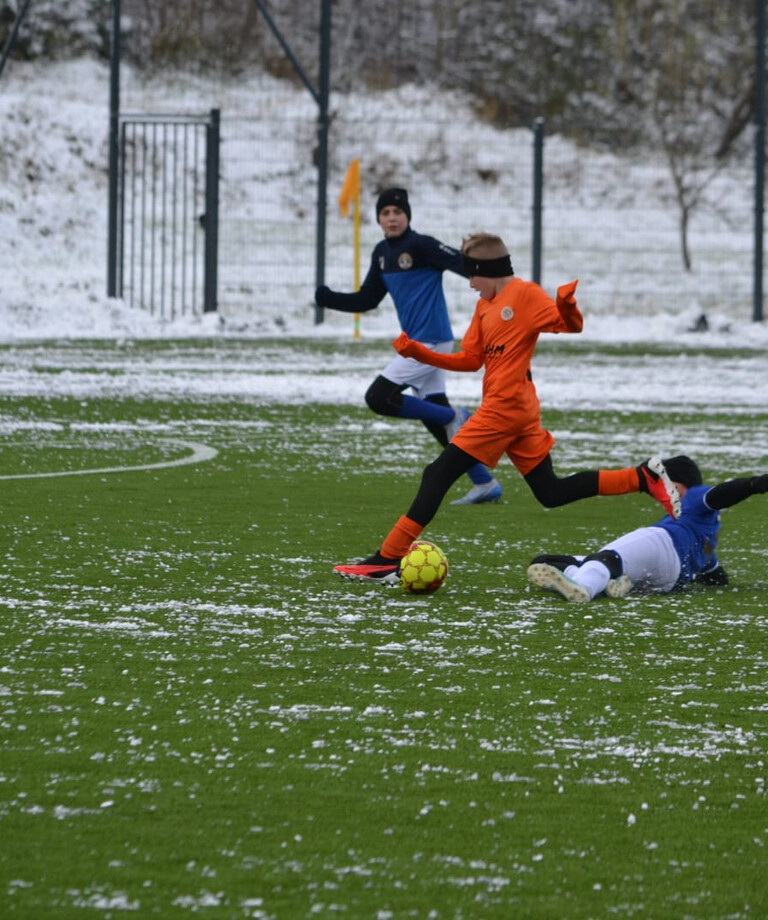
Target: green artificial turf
(198, 717)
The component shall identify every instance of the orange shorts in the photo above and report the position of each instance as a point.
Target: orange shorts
(526, 447)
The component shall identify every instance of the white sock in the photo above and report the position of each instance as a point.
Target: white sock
(593, 575)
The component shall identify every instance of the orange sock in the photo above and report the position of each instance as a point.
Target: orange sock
(396, 544)
(618, 482)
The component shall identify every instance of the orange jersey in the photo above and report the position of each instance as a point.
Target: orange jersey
(502, 337)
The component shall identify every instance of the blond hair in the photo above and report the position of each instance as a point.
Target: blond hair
(484, 246)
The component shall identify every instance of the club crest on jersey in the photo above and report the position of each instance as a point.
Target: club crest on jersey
(405, 261)
(507, 313)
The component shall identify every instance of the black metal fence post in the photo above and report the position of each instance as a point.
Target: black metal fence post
(321, 96)
(322, 148)
(538, 199)
(757, 294)
(114, 153)
(213, 136)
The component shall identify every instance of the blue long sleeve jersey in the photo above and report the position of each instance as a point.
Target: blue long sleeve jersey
(697, 530)
(409, 268)
(694, 534)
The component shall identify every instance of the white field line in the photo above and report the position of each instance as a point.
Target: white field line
(200, 453)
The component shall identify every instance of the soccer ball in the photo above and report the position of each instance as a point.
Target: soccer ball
(423, 568)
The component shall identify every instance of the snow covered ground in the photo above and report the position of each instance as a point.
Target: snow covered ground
(53, 217)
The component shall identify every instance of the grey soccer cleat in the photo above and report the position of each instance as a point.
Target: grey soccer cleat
(458, 420)
(619, 587)
(479, 495)
(551, 578)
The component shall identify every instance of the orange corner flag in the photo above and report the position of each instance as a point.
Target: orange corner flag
(350, 190)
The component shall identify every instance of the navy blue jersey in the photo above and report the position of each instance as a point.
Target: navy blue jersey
(409, 268)
(694, 534)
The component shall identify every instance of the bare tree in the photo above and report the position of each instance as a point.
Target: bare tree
(678, 86)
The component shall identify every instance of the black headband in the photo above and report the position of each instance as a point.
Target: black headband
(487, 268)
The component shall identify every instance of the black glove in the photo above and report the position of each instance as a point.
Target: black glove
(712, 577)
(760, 484)
(323, 296)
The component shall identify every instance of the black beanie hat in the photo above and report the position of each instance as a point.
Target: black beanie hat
(393, 196)
(683, 469)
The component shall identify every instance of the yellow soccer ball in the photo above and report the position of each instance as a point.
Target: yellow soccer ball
(423, 568)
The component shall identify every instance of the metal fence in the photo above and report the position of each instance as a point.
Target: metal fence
(610, 220)
(168, 213)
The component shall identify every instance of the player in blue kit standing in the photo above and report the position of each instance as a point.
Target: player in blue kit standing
(658, 559)
(409, 267)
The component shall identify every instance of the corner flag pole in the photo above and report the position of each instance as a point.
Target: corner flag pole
(350, 191)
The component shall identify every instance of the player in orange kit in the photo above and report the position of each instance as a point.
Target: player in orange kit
(508, 318)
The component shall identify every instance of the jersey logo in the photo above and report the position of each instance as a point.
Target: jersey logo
(507, 313)
(405, 261)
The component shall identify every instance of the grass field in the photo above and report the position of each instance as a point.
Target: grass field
(198, 718)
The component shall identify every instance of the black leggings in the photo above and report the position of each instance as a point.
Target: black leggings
(553, 491)
(549, 489)
(386, 398)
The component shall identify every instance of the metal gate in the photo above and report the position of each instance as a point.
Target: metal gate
(168, 223)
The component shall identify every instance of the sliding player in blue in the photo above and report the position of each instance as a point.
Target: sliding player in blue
(667, 556)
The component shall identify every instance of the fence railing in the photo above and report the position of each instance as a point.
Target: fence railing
(565, 210)
(167, 253)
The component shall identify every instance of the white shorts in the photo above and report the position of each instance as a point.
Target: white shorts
(650, 558)
(424, 379)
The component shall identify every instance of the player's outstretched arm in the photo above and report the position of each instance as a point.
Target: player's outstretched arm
(457, 361)
(372, 291)
(729, 493)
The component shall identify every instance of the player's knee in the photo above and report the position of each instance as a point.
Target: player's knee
(431, 471)
(546, 487)
(440, 474)
(610, 559)
(383, 397)
(549, 496)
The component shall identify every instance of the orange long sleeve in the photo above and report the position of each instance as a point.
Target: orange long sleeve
(456, 361)
(566, 305)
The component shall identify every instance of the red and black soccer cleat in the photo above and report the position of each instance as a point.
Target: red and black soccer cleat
(374, 568)
(654, 479)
